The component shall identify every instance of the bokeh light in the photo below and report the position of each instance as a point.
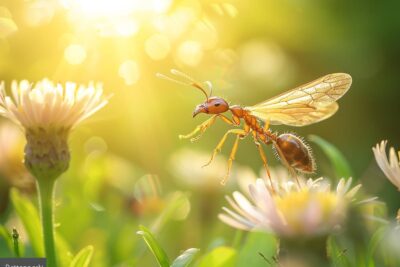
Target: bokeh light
(263, 60)
(190, 53)
(7, 24)
(75, 54)
(39, 12)
(157, 46)
(129, 71)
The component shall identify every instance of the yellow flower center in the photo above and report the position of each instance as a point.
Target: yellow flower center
(304, 209)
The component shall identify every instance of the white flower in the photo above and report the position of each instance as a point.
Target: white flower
(47, 104)
(47, 112)
(314, 209)
(391, 166)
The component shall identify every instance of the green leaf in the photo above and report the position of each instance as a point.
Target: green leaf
(337, 159)
(256, 243)
(219, 257)
(338, 255)
(373, 244)
(185, 258)
(29, 216)
(7, 238)
(154, 246)
(82, 259)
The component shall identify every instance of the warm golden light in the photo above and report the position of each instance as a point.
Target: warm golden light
(115, 8)
(157, 46)
(75, 54)
(129, 71)
(190, 53)
(113, 17)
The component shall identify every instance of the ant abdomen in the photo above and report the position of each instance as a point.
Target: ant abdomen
(296, 152)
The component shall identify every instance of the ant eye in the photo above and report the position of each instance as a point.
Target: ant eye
(217, 104)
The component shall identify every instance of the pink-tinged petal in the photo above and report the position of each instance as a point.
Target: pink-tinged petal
(238, 218)
(235, 224)
(245, 207)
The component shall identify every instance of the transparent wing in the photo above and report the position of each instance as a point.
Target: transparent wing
(306, 104)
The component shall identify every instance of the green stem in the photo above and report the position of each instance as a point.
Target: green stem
(15, 237)
(46, 188)
(310, 252)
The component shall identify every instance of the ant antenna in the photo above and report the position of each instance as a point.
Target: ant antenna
(210, 86)
(190, 81)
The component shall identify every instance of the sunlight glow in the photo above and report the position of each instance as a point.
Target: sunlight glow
(129, 71)
(157, 46)
(190, 53)
(75, 54)
(115, 8)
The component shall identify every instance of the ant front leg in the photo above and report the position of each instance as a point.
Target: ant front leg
(241, 133)
(204, 126)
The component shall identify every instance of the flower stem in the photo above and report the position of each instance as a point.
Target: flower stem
(309, 252)
(46, 188)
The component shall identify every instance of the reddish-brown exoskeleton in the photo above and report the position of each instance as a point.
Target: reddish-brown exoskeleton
(304, 105)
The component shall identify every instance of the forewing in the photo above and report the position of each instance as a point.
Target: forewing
(306, 104)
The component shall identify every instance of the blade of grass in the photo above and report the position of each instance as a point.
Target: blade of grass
(7, 237)
(154, 246)
(83, 258)
(29, 216)
(185, 258)
(220, 257)
(15, 237)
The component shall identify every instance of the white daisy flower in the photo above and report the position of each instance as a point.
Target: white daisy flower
(50, 105)
(47, 112)
(390, 166)
(312, 210)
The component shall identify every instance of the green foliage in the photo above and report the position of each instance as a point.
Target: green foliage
(340, 164)
(373, 245)
(29, 216)
(256, 243)
(219, 257)
(82, 259)
(154, 246)
(7, 237)
(185, 258)
(15, 237)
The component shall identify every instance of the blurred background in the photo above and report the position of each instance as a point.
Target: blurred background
(128, 164)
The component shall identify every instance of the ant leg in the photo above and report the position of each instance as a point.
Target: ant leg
(200, 128)
(204, 126)
(263, 158)
(238, 132)
(231, 159)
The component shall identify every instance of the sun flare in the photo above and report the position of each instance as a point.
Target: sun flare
(115, 8)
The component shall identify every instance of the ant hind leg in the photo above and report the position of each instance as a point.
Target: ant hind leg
(263, 158)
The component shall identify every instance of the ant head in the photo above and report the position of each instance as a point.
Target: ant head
(213, 105)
